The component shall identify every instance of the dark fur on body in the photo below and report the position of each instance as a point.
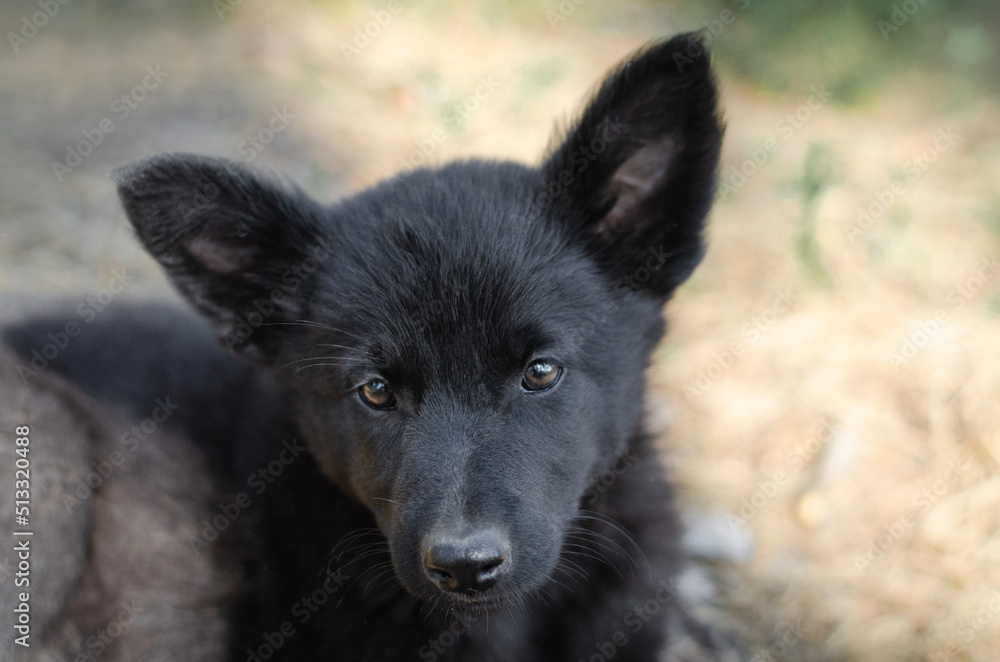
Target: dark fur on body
(445, 283)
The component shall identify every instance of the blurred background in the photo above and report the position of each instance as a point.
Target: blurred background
(827, 398)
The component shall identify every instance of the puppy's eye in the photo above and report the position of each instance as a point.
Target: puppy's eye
(376, 394)
(541, 375)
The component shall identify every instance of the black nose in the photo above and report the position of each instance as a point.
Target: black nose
(469, 564)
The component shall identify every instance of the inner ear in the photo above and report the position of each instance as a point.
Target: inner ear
(221, 258)
(652, 182)
(635, 184)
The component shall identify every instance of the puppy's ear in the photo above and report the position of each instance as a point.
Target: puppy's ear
(242, 248)
(635, 176)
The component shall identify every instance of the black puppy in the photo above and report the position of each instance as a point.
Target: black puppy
(462, 351)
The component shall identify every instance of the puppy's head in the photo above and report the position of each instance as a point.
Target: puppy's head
(466, 345)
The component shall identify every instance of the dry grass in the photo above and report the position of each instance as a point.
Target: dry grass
(892, 431)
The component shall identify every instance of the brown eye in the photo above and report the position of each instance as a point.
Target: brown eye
(376, 394)
(541, 375)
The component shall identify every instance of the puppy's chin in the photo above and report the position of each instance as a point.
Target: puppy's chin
(485, 606)
(496, 599)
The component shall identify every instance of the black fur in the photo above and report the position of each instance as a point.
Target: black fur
(445, 284)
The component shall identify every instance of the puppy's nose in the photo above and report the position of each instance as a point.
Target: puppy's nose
(469, 564)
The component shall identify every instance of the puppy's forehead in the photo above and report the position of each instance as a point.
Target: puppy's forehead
(462, 283)
(453, 260)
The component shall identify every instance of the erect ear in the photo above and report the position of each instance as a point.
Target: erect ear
(242, 248)
(635, 176)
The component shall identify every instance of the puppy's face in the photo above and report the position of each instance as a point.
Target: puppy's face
(474, 371)
(466, 345)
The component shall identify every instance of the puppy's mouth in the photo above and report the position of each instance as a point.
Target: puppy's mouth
(496, 600)
(476, 606)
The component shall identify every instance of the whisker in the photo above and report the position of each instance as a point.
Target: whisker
(592, 553)
(341, 361)
(572, 567)
(349, 349)
(380, 575)
(354, 535)
(599, 539)
(357, 546)
(559, 583)
(316, 365)
(600, 517)
(317, 325)
(330, 328)
(431, 606)
(311, 358)
(372, 550)
(366, 572)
